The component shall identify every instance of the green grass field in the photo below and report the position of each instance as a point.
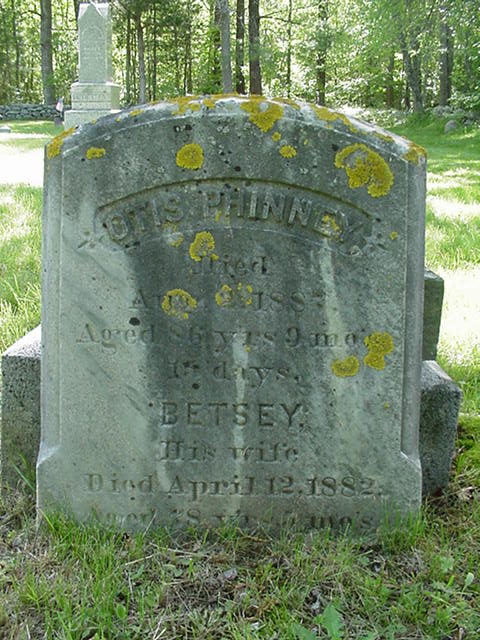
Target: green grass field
(417, 580)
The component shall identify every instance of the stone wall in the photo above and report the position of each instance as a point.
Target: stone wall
(27, 111)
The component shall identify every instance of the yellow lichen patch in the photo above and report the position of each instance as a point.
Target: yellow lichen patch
(203, 246)
(288, 151)
(176, 240)
(364, 166)
(346, 368)
(330, 116)
(393, 235)
(330, 227)
(415, 153)
(94, 121)
(187, 102)
(263, 114)
(383, 136)
(244, 293)
(224, 297)
(135, 112)
(386, 406)
(54, 147)
(306, 141)
(178, 303)
(95, 152)
(190, 156)
(290, 102)
(247, 348)
(379, 345)
(239, 296)
(118, 119)
(276, 136)
(209, 103)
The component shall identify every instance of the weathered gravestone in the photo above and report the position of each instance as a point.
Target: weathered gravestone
(232, 317)
(94, 94)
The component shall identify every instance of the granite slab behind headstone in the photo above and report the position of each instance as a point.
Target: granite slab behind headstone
(95, 94)
(232, 317)
(432, 314)
(20, 416)
(440, 407)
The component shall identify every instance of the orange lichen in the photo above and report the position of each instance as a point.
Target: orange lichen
(276, 136)
(55, 146)
(190, 156)
(364, 166)
(263, 113)
(379, 345)
(346, 368)
(393, 235)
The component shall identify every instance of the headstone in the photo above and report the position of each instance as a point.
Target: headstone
(5, 129)
(94, 94)
(451, 126)
(232, 317)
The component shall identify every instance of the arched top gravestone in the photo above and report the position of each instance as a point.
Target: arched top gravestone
(232, 305)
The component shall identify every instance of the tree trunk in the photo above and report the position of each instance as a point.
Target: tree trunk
(128, 62)
(411, 57)
(289, 48)
(187, 67)
(239, 47)
(410, 42)
(254, 47)
(389, 92)
(446, 59)
(215, 47)
(224, 22)
(154, 70)
(322, 47)
(47, 55)
(142, 83)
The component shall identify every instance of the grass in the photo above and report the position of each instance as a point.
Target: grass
(417, 580)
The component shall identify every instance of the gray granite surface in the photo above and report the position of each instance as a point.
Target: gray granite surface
(232, 317)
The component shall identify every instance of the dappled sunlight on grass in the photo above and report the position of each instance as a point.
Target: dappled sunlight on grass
(447, 208)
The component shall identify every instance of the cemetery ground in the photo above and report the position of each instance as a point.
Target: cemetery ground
(417, 580)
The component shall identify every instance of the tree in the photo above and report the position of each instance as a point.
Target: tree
(240, 47)
(224, 22)
(49, 94)
(254, 47)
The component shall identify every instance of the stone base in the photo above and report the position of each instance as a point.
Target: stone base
(95, 95)
(92, 100)
(20, 425)
(439, 409)
(20, 428)
(74, 117)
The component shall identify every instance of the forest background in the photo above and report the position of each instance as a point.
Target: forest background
(403, 54)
